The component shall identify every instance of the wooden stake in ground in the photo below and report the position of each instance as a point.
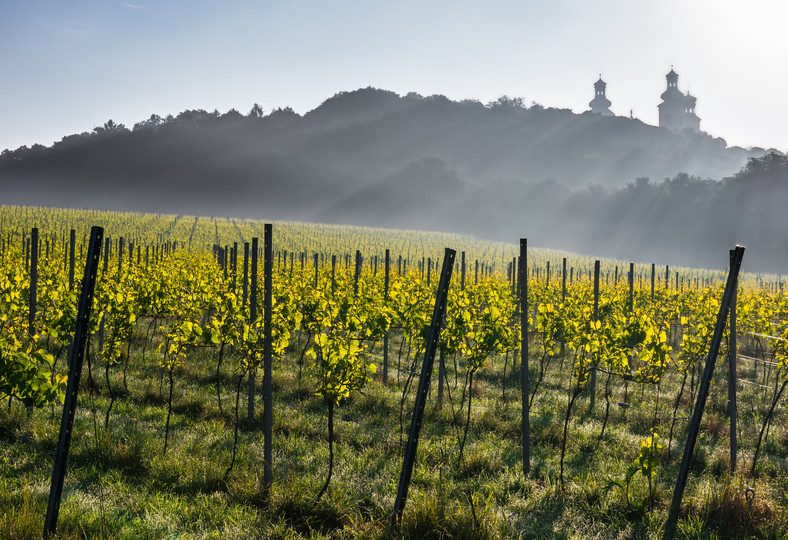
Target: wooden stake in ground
(592, 376)
(732, 349)
(424, 385)
(76, 355)
(703, 391)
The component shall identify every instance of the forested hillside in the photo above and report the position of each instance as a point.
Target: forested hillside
(605, 185)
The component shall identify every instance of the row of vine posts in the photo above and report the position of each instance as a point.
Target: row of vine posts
(727, 312)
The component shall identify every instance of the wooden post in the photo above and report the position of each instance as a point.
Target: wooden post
(316, 267)
(462, 271)
(592, 378)
(107, 244)
(732, 351)
(703, 391)
(120, 254)
(333, 274)
(515, 280)
(72, 246)
(75, 358)
(563, 298)
(357, 272)
(424, 385)
(653, 276)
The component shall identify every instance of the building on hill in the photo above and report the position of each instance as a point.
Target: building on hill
(677, 111)
(600, 104)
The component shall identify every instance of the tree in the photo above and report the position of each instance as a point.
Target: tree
(154, 121)
(256, 112)
(109, 127)
(232, 114)
(506, 101)
(772, 167)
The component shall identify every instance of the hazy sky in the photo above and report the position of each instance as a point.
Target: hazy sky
(69, 65)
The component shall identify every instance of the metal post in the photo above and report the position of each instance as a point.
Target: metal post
(246, 275)
(524, 378)
(252, 318)
(386, 336)
(33, 280)
(268, 267)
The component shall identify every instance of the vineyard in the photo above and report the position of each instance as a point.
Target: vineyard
(242, 380)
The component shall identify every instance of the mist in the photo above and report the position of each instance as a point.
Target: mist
(604, 186)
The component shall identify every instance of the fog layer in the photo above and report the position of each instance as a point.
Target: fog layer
(608, 186)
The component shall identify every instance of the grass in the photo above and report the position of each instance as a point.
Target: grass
(120, 486)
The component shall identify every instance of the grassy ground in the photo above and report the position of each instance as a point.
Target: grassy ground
(120, 485)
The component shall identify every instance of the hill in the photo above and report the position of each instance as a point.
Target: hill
(371, 157)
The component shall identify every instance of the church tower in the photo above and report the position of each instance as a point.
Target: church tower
(677, 111)
(600, 104)
(689, 119)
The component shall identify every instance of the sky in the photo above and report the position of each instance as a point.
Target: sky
(68, 66)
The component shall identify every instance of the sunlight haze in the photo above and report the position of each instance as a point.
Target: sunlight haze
(71, 66)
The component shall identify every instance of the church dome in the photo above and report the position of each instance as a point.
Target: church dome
(671, 94)
(600, 104)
